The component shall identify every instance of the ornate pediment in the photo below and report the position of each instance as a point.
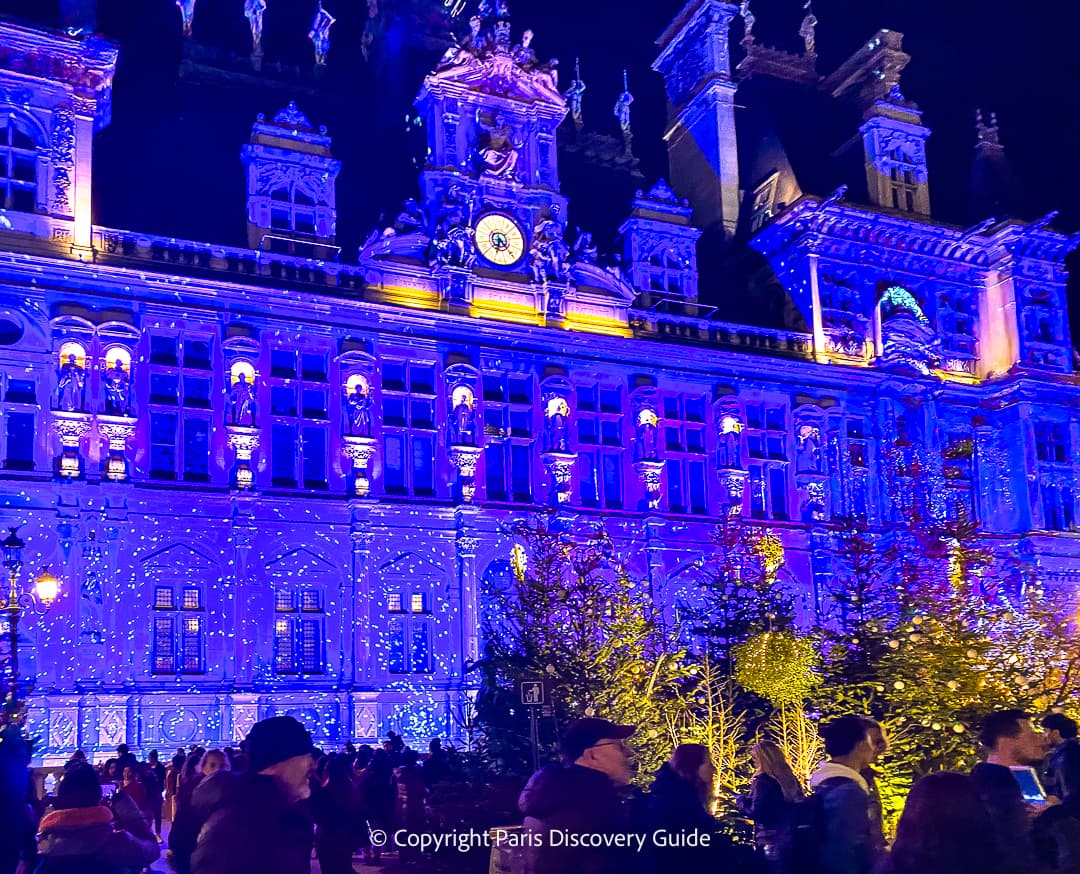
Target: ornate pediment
(502, 76)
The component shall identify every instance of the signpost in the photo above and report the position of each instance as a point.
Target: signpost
(533, 697)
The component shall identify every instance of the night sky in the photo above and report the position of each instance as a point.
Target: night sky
(169, 163)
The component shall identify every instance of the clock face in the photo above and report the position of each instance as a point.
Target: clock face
(499, 239)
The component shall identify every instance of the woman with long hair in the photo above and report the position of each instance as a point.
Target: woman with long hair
(945, 829)
(773, 793)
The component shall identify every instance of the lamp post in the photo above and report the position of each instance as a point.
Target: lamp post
(46, 588)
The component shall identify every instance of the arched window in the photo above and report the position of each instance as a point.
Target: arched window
(18, 165)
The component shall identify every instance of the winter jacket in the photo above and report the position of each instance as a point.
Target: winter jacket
(92, 839)
(1055, 836)
(248, 824)
(1001, 795)
(1052, 775)
(566, 800)
(877, 813)
(847, 844)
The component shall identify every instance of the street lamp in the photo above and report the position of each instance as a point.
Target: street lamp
(46, 589)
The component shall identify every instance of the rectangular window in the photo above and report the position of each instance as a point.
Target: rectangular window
(612, 481)
(521, 471)
(163, 598)
(778, 492)
(283, 363)
(394, 412)
(421, 646)
(313, 367)
(283, 400)
(311, 646)
(676, 496)
(192, 598)
(283, 601)
(283, 455)
(197, 354)
(394, 603)
(164, 645)
(21, 391)
(283, 646)
(315, 458)
(20, 441)
(394, 467)
(163, 351)
(396, 660)
(590, 497)
(196, 449)
(418, 603)
(757, 492)
(310, 602)
(163, 389)
(695, 471)
(196, 392)
(423, 452)
(494, 471)
(163, 445)
(191, 638)
(314, 403)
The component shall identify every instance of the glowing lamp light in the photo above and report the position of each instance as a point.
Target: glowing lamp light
(362, 486)
(69, 466)
(116, 469)
(243, 478)
(46, 587)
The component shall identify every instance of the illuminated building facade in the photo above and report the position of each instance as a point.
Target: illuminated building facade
(272, 478)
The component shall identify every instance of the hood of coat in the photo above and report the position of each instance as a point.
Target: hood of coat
(78, 831)
(830, 770)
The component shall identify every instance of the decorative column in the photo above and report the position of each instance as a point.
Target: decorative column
(360, 450)
(118, 431)
(244, 441)
(236, 617)
(71, 428)
(362, 537)
(466, 546)
(731, 470)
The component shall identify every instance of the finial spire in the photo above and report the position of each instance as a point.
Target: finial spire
(806, 30)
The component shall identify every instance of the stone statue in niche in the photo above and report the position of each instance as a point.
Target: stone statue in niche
(91, 598)
(359, 412)
(242, 400)
(646, 435)
(557, 426)
(464, 422)
(70, 385)
(116, 382)
(499, 151)
(808, 446)
(728, 454)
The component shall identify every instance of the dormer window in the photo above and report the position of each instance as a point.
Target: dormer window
(763, 207)
(18, 165)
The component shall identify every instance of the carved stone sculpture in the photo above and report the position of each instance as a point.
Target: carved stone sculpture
(242, 399)
(117, 382)
(70, 386)
(359, 412)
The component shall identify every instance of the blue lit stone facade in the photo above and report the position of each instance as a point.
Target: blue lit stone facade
(272, 480)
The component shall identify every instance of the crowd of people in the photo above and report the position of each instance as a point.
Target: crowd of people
(266, 805)
(1017, 812)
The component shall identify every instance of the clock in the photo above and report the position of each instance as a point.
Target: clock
(499, 239)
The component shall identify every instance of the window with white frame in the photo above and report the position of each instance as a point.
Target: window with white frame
(292, 210)
(299, 628)
(685, 467)
(18, 164)
(409, 631)
(179, 632)
(19, 414)
(181, 397)
(409, 428)
(299, 418)
(508, 437)
(768, 452)
(599, 422)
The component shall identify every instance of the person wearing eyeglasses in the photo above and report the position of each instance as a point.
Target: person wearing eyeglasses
(568, 806)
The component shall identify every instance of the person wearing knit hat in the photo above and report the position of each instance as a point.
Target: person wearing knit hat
(258, 821)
